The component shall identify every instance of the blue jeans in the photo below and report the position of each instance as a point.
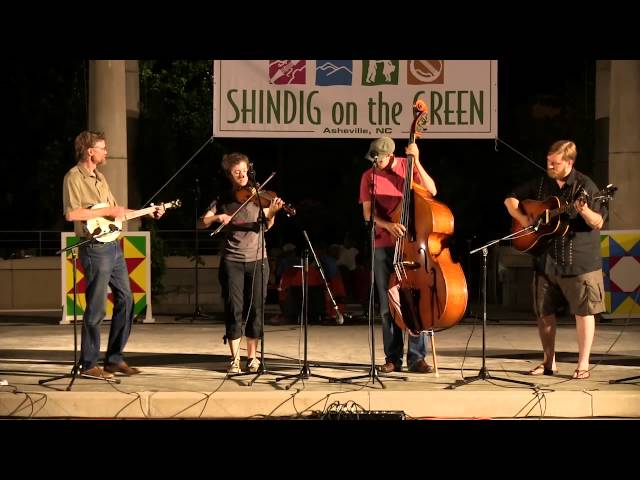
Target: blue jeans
(391, 333)
(104, 265)
(241, 290)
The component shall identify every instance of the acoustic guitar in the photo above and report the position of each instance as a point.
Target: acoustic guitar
(549, 222)
(107, 229)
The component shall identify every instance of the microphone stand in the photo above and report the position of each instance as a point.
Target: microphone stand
(262, 221)
(484, 374)
(621, 380)
(305, 371)
(339, 317)
(373, 375)
(196, 313)
(75, 370)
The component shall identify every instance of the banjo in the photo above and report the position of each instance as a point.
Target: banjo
(107, 229)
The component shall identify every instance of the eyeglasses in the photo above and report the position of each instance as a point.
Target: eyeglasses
(556, 163)
(101, 148)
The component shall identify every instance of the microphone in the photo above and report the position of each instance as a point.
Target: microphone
(372, 156)
(251, 173)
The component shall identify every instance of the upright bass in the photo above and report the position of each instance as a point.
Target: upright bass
(427, 290)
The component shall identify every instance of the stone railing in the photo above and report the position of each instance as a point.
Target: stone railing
(34, 284)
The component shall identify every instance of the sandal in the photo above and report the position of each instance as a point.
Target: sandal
(542, 370)
(581, 374)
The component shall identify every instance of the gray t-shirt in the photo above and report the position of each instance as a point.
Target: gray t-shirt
(242, 235)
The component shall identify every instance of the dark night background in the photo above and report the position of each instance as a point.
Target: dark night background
(48, 106)
(546, 73)
(47, 102)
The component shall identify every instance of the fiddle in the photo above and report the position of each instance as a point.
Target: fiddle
(263, 199)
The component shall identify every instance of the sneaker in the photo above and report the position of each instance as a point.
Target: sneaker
(234, 367)
(253, 364)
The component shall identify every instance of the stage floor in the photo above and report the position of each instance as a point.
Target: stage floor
(184, 373)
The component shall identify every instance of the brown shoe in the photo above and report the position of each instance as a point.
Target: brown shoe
(122, 368)
(95, 372)
(421, 367)
(389, 367)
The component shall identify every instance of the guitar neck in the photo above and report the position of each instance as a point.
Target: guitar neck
(139, 213)
(604, 193)
(558, 211)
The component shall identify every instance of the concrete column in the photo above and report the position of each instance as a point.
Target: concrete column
(132, 80)
(624, 143)
(133, 88)
(601, 153)
(108, 113)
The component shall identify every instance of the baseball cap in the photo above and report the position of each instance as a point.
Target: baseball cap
(380, 146)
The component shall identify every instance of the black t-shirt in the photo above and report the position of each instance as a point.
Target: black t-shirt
(578, 251)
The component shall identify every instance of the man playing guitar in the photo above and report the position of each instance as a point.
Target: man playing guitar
(569, 267)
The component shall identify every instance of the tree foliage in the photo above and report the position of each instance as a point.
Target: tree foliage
(175, 120)
(45, 104)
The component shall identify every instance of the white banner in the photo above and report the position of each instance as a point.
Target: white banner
(354, 98)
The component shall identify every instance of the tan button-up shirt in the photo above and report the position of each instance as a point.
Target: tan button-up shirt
(81, 189)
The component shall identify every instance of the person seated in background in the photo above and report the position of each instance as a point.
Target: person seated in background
(287, 258)
(328, 261)
(335, 283)
(284, 263)
(272, 285)
(361, 284)
(346, 261)
(319, 307)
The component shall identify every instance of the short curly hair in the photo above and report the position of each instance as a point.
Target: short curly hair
(232, 159)
(86, 140)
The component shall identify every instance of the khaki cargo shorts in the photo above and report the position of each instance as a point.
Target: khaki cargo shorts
(584, 294)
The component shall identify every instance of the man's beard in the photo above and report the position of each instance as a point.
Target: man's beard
(554, 174)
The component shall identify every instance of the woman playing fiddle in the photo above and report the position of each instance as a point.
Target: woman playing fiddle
(243, 256)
